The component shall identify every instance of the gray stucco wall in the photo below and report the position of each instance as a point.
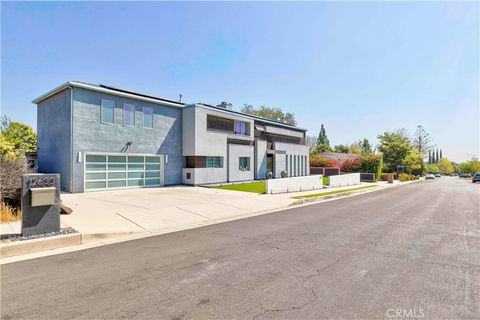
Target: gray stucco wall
(261, 159)
(90, 135)
(54, 138)
(235, 151)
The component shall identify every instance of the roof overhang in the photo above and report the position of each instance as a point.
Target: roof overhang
(248, 116)
(96, 88)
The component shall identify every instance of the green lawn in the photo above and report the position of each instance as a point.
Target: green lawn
(256, 187)
(332, 192)
(325, 181)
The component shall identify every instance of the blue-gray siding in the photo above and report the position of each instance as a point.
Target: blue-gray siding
(54, 138)
(90, 135)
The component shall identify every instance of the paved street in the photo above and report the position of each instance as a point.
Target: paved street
(408, 251)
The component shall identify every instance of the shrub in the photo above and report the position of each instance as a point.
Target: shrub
(351, 165)
(317, 160)
(9, 214)
(407, 177)
(11, 171)
(383, 176)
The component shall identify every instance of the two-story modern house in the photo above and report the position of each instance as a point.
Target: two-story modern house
(100, 137)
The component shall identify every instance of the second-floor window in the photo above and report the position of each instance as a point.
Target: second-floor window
(128, 114)
(107, 111)
(147, 117)
(242, 128)
(220, 124)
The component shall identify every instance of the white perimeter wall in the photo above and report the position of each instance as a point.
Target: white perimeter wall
(204, 175)
(344, 180)
(294, 184)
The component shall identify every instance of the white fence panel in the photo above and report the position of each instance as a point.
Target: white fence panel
(294, 184)
(344, 180)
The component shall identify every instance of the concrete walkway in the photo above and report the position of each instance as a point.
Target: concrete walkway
(123, 212)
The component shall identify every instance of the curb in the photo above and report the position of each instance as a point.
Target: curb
(18, 248)
(42, 244)
(332, 196)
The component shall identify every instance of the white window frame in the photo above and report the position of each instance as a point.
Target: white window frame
(153, 112)
(124, 114)
(101, 111)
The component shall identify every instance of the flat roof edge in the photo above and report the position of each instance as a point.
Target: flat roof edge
(131, 95)
(271, 122)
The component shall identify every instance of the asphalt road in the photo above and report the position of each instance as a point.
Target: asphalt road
(411, 252)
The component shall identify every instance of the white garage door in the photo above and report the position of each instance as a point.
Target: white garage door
(120, 171)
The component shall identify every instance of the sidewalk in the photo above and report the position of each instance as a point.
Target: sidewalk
(126, 213)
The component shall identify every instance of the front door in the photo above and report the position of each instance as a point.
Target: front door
(270, 163)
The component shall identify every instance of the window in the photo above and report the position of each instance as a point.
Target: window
(244, 164)
(214, 162)
(107, 111)
(147, 117)
(128, 114)
(242, 128)
(220, 124)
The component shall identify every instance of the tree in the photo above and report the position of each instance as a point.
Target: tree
(341, 148)
(365, 145)
(422, 141)
(413, 160)
(432, 168)
(429, 156)
(270, 113)
(7, 150)
(471, 167)
(4, 123)
(441, 156)
(322, 137)
(395, 146)
(355, 148)
(311, 142)
(445, 166)
(437, 157)
(21, 136)
(433, 156)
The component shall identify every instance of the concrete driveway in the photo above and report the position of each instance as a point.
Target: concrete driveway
(154, 209)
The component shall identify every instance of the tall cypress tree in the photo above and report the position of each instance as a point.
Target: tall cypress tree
(433, 156)
(322, 137)
(441, 156)
(429, 156)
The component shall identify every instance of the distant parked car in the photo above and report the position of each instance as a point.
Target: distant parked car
(430, 176)
(476, 177)
(437, 175)
(464, 175)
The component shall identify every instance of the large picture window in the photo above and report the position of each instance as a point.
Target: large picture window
(128, 114)
(220, 124)
(244, 164)
(107, 113)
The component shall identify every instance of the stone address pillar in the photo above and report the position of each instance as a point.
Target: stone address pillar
(40, 203)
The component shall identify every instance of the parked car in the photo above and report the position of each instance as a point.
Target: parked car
(476, 177)
(430, 176)
(464, 175)
(437, 175)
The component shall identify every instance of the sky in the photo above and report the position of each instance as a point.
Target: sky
(359, 68)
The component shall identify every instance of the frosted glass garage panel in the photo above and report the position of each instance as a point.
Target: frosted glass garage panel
(110, 171)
